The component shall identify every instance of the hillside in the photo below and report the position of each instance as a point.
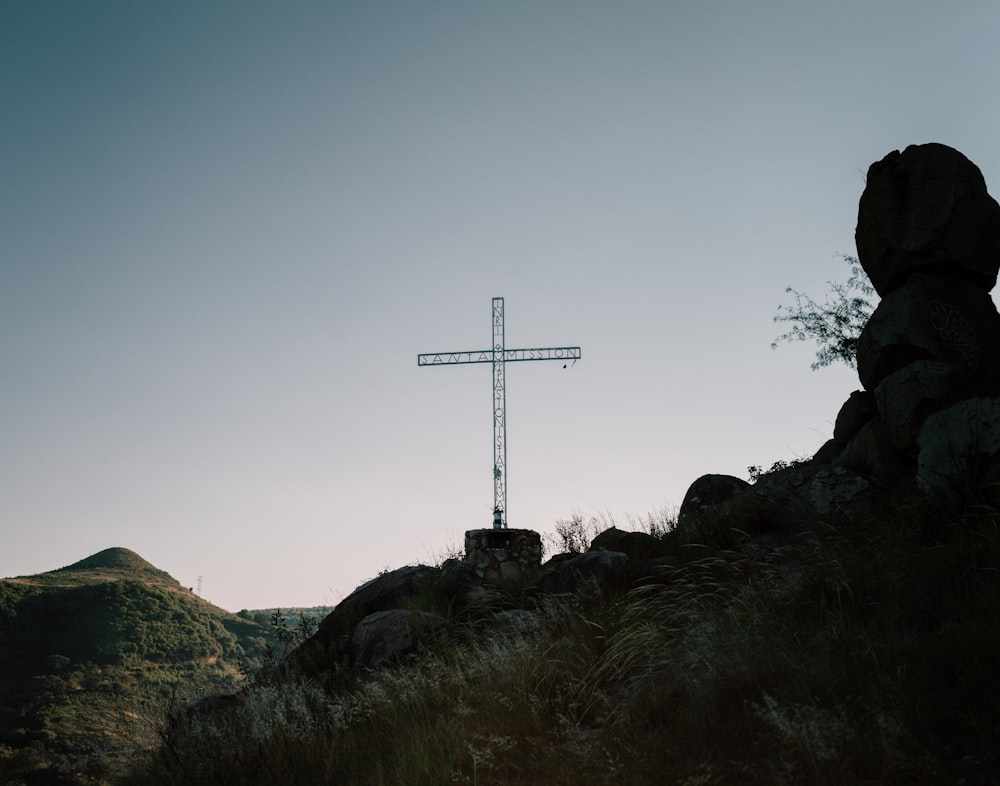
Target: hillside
(91, 653)
(767, 649)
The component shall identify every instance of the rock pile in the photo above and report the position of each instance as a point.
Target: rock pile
(928, 236)
(382, 622)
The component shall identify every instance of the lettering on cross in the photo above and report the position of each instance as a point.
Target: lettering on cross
(499, 356)
(509, 356)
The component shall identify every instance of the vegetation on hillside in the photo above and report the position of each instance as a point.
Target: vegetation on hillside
(92, 655)
(850, 650)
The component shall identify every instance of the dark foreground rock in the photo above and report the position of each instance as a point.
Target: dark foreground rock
(601, 569)
(384, 636)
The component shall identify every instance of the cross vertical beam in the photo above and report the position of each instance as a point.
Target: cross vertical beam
(499, 356)
(499, 419)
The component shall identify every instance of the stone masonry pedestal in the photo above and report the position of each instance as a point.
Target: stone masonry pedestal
(502, 553)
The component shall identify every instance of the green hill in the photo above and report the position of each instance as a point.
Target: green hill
(91, 653)
(114, 560)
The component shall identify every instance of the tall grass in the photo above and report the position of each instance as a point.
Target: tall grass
(853, 651)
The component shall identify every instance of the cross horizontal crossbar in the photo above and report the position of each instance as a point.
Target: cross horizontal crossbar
(509, 356)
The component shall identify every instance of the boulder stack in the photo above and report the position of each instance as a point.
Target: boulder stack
(928, 236)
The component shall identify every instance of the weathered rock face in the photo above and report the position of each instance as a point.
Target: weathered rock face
(333, 640)
(871, 454)
(927, 209)
(939, 318)
(834, 488)
(906, 397)
(802, 490)
(386, 635)
(959, 444)
(382, 592)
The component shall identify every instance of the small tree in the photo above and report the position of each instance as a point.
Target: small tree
(834, 325)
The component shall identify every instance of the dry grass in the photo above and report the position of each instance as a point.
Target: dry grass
(852, 652)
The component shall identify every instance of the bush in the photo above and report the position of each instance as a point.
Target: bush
(836, 324)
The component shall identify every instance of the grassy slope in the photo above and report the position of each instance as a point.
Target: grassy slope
(855, 651)
(90, 654)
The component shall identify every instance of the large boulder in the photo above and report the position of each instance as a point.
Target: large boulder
(637, 545)
(906, 397)
(838, 488)
(708, 491)
(871, 454)
(386, 591)
(461, 584)
(603, 569)
(859, 408)
(959, 445)
(332, 640)
(798, 491)
(927, 209)
(458, 577)
(939, 318)
(384, 636)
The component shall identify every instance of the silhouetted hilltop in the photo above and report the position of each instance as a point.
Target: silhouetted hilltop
(114, 564)
(116, 558)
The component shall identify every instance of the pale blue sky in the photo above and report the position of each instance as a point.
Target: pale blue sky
(227, 230)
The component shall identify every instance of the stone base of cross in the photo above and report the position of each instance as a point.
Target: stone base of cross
(504, 554)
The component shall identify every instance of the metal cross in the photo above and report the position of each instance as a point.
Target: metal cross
(499, 356)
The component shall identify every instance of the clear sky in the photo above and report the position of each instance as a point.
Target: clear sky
(228, 228)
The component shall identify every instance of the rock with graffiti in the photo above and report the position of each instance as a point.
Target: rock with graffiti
(928, 237)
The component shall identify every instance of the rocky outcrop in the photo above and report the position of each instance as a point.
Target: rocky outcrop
(927, 210)
(928, 236)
